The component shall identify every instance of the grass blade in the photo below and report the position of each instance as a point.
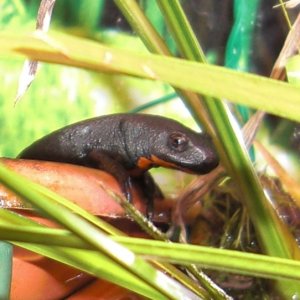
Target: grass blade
(121, 256)
(217, 259)
(252, 90)
(274, 236)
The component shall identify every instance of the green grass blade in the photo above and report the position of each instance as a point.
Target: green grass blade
(217, 259)
(64, 238)
(96, 264)
(55, 198)
(25, 232)
(181, 30)
(142, 26)
(278, 98)
(122, 256)
(220, 259)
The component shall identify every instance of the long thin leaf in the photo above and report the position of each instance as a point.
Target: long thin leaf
(121, 256)
(217, 259)
(55, 198)
(275, 97)
(97, 264)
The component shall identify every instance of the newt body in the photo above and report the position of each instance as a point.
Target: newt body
(126, 146)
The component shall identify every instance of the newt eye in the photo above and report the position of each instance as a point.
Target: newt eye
(178, 141)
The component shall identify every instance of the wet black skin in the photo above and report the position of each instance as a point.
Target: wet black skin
(116, 143)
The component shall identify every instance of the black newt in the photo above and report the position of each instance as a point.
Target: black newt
(127, 146)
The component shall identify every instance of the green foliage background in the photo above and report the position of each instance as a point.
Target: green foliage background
(61, 95)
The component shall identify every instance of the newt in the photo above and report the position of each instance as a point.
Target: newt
(127, 146)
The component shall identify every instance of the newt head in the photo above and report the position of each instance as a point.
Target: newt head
(184, 150)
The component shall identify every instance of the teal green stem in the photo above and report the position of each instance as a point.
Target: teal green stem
(6, 252)
(154, 102)
(239, 46)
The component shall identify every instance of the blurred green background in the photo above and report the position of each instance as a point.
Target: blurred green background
(62, 95)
